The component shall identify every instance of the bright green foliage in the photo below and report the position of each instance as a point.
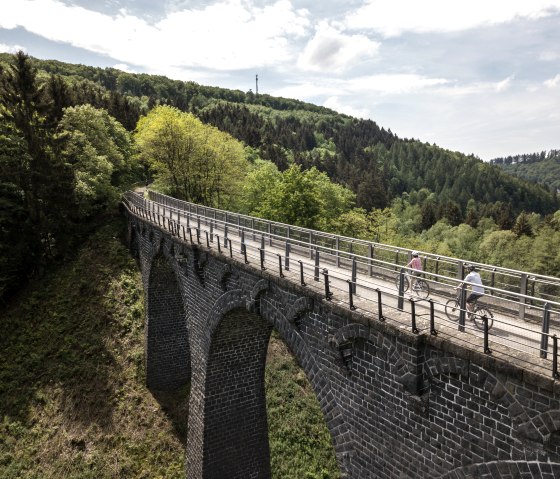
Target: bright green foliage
(299, 197)
(99, 150)
(192, 161)
(260, 181)
(354, 224)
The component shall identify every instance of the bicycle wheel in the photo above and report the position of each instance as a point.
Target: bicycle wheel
(452, 309)
(421, 288)
(478, 316)
(406, 284)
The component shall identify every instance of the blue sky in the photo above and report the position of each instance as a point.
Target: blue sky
(480, 77)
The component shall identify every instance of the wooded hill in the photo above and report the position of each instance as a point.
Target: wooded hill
(542, 168)
(370, 160)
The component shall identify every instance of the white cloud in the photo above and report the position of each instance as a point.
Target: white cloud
(394, 83)
(337, 104)
(124, 67)
(553, 82)
(223, 36)
(394, 17)
(332, 51)
(504, 84)
(11, 48)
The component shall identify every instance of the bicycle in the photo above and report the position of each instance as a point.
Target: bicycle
(453, 308)
(421, 287)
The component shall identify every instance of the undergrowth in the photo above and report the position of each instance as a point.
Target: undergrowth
(73, 401)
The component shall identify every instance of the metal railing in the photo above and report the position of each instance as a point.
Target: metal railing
(525, 306)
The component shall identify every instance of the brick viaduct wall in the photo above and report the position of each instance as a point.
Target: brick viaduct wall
(397, 405)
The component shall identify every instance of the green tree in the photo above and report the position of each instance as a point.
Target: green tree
(44, 181)
(522, 225)
(306, 198)
(100, 151)
(191, 160)
(260, 182)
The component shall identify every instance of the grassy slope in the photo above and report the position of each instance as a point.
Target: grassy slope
(72, 398)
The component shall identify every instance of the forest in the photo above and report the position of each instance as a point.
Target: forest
(542, 168)
(73, 137)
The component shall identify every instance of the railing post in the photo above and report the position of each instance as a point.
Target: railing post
(492, 280)
(413, 316)
(523, 291)
(230, 250)
(354, 274)
(219, 245)
(211, 231)
(486, 348)
(555, 373)
(370, 254)
(261, 252)
(350, 295)
(280, 264)
(337, 252)
(301, 279)
(433, 331)
(545, 331)
(397, 261)
(400, 300)
(310, 243)
(287, 256)
(328, 294)
(268, 228)
(460, 270)
(379, 305)
(207, 239)
(462, 305)
(225, 235)
(316, 275)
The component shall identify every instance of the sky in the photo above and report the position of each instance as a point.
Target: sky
(480, 76)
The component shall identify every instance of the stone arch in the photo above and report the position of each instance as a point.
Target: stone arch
(505, 470)
(341, 434)
(167, 351)
(344, 339)
(522, 423)
(228, 426)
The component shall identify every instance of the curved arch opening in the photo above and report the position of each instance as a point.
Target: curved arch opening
(301, 444)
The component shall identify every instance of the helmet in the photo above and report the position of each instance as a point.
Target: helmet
(415, 253)
(471, 267)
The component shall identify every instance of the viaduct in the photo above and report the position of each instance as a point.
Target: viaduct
(397, 404)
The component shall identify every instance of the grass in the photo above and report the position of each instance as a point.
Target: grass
(73, 401)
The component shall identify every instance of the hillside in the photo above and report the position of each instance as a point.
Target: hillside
(542, 168)
(72, 397)
(372, 161)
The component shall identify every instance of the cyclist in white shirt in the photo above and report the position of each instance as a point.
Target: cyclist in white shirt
(477, 289)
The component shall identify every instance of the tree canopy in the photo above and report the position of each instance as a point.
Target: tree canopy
(191, 160)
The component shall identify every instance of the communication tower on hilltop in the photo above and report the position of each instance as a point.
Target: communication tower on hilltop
(256, 84)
